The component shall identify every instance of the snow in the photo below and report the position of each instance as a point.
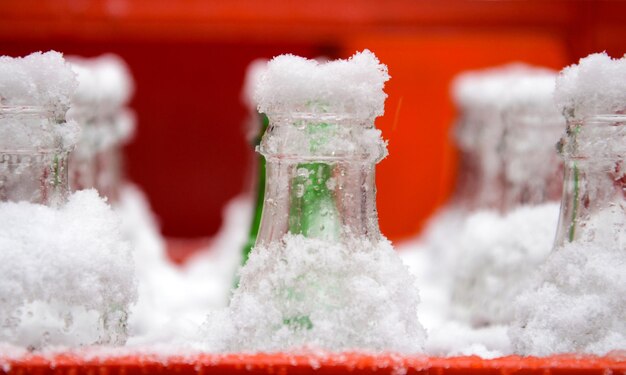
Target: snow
(499, 86)
(163, 314)
(35, 93)
(39, 79)
(105, 87)
(577, 303)
(496, 257)
(67, 274)
(312, 293)
(296, 84)
(594, 86)
(104, 80)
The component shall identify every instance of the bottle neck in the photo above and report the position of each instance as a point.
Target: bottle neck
(33, 156)
(593, 206)
(532, 171)
(320, 179)
(478, 135)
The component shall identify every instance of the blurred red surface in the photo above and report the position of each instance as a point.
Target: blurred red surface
(189, 57)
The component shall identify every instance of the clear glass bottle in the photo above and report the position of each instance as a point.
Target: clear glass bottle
(33, 155)
(320, 177)
(109, 159)
(532, 171)
(479, 137)
(97, 161)
(82, 162)
(593, 206)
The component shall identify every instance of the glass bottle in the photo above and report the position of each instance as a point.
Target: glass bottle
(260, 194)
(593, 206)
(109, 159)
(82, 162)
(531, 168)
(34, 149)
(479, 136)
(320, 177)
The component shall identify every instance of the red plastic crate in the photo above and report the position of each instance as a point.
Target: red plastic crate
(76, 364)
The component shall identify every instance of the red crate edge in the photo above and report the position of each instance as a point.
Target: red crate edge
(198, 364)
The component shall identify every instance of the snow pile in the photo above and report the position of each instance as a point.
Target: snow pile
(67, 274)
(446, 336)
(596, 85)
(174, 301)
(35, 94)
(310, 293)
(578, 303)
(353, 86)
(104, 81)
(39, 79)
(497, 257)
(503, 85)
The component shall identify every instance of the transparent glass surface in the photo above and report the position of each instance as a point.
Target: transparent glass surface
(33, 161)
(320, 178)
(532, 170)
(478, 136)
(97, 160)
(593, 205)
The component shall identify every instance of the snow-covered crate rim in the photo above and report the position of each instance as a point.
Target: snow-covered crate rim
(71, 363)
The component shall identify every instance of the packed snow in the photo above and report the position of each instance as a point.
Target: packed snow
(39, 79)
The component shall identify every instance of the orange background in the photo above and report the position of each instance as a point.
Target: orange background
(189, 57)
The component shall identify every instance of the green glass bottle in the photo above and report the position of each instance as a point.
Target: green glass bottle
(260, 193)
